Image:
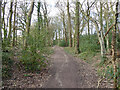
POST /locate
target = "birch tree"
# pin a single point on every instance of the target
(107, 25)
(101, 31)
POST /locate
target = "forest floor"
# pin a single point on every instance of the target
(65, 71)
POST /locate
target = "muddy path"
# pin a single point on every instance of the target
(70, 72)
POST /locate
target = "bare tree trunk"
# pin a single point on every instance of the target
(88, 13)
(74, 40)
(16, 32)
(14, 27)
(56, 35)
(28, 22)
(10, 22)
(69, 25)
(59, 36)
(65, 31)
(77, 50)
(114, 48)
(0, 27)
(107, 25)
(46, 26)
(101, 30)
(0, 46)
(3, 22)
(38, 15)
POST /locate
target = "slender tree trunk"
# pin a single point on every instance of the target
(16, 32)
(28, 22)
(77, 50)
(107, 37)
(3, 22)
(74, 40)
(56, 37)
(88, 13)
(101, 31)
(65, 32)
(46, 27)
(114, 47)
(69, 25)
(0, 27)
(107, 26)
(10, 22)
(0, 46)
(38, 15)
(14, 27)
(59, 36)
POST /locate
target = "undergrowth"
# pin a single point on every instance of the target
(7, 63)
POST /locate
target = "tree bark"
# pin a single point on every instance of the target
(69, 25)
(77, 50)
(114, 47)
(0, 46)
(107, 26)
(10, 22)
(38, 15)
(28, 22)
(101, 31)
(88, 14)
(3, 22)
(14, 27)
(0, 27)
(65, 31)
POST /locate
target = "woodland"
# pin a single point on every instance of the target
(86, 29)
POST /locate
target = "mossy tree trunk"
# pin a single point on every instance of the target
(0, 26)
(3, 22)
(0, 46)
(65, 31)
(88, 14)
(69, 25)
(14, 26)
(114, 47)
(77, 50)
(28, 22)
(10, 22)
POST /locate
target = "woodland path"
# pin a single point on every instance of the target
(65, 71)
(70, 72)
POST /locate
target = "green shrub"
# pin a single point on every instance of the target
(33, 57)
(89, 44)
(33, 61)
(62, 43)
(6, 64)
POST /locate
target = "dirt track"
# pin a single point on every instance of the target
(65, 71)
(70, 72)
